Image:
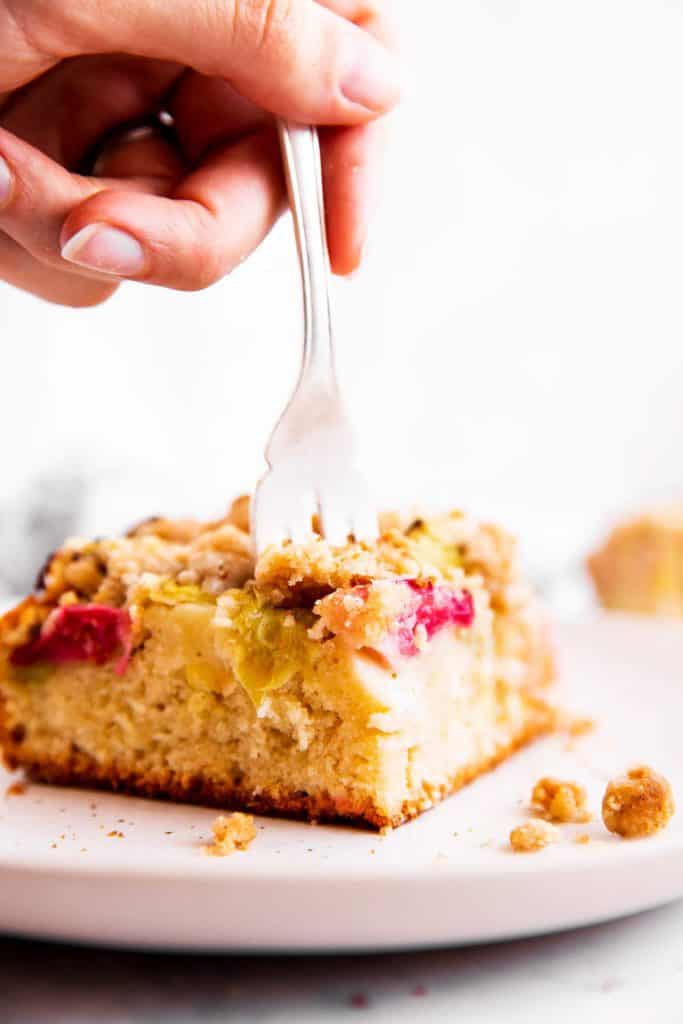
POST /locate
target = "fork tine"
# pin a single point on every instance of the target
(282, 510)
(302, 508)
(267, 526)
(364, 521)
(335, 521)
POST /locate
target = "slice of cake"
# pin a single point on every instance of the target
(640, 566)
(361, 683)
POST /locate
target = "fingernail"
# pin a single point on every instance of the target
(109, 250)
(373, 79)
(5, 182)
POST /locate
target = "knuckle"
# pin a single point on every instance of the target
(185, 257)
(204, 276)
(50, 29)
(206, 269)
(261, 23)
(26, 23)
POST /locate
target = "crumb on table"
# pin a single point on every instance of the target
(533, 835)
(638, 803)
(231, 832)
(557, 800)
(582, 839)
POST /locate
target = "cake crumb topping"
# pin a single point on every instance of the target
(639, 803)
(231, 832)
(559, 801)
(533, 835)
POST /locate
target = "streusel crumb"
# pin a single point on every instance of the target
(233, 832)
(16, 789)
(533, 835)
(559, 801)
(581, 726)
(240, 513)
(583, 839)
(638, 803)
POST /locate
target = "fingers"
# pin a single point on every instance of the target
(77, 104)
(208, 111)
(352, 166)
(142, 155)
(295, 58)
(19, 268)
(353, 157)
(216, 217)
(39, 194)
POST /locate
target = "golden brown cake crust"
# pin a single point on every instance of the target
(81, 770)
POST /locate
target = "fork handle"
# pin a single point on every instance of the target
(303, 171)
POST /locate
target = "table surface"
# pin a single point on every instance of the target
(627, 971)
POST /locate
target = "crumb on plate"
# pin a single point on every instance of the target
(582, 839)
(581, 726)
(16, 789)
(639, 803)
(559, 801)
(574, 727)
(232, 832)
(533, 835)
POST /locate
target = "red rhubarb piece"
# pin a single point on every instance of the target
(80, 632)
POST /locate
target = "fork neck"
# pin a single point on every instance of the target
(303, 171)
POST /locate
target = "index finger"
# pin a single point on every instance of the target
(295, 58)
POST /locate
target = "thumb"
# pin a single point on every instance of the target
(294, 58)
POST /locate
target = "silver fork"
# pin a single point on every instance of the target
(311, 454)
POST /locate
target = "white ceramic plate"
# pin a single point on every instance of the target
(446, 878)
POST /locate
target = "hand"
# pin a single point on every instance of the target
(181, 206)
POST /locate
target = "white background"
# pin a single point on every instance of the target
(513, 343)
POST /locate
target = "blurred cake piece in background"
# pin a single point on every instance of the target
(640, 566)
